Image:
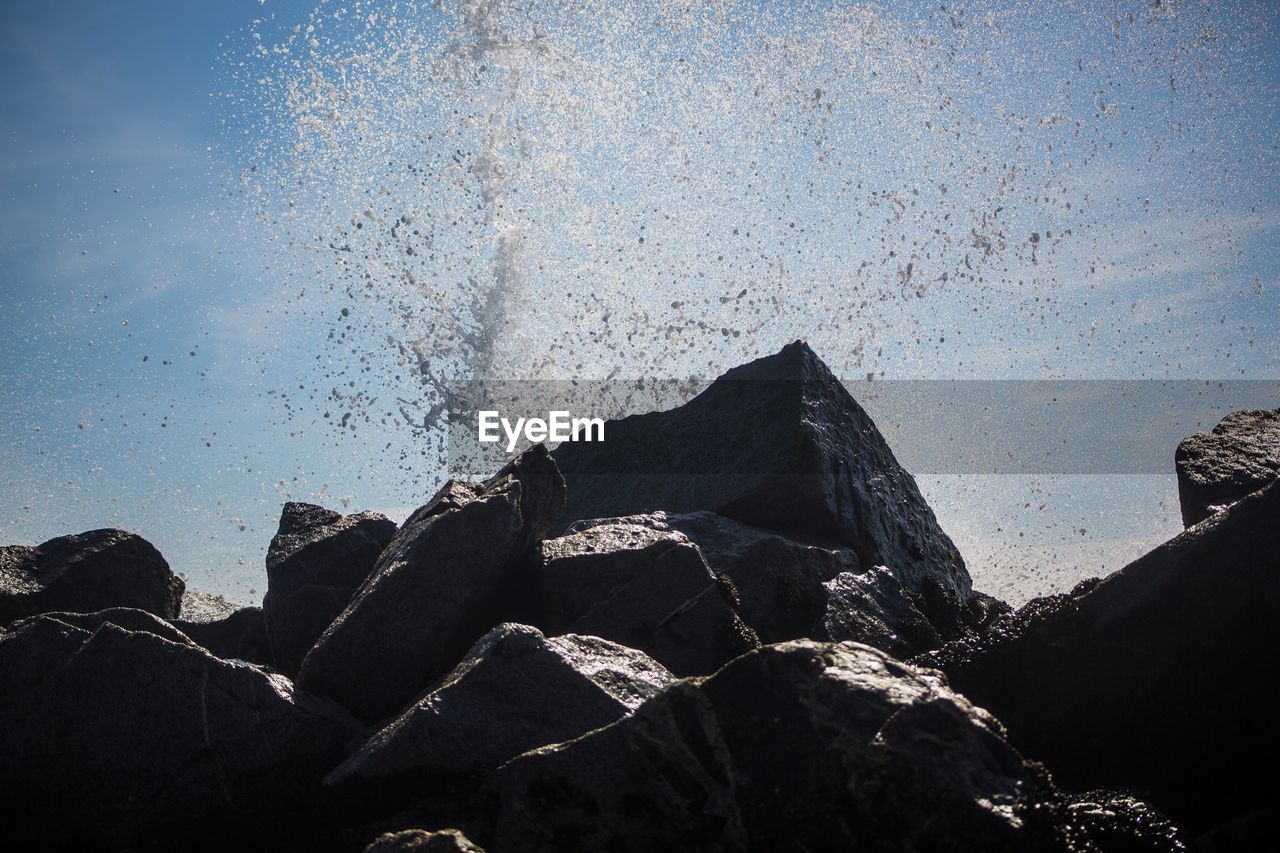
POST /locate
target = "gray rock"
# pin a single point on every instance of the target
(240, 635)
(1149, 679)
(872, 608)
(421, 841)
(777, 443)
(1239, 456)
(779, 577)
(86, 572)
(114, 736)
(645, 588)
(452, 572)
(316, 562)
(795, 747)
(516, 690)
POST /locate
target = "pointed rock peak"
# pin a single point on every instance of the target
(778, 442)
(794, 362)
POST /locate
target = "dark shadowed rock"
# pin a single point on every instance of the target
(127, 736)
(1239, 456)
(872, 608)
(241, 635)
(316, 561)
(952, 617)
(795, 747)
(777, 443)
(421, 841)
(127, 618)
(778, 577)
(516, 690)
(1149, 679)
(86, 572)
(452, 572)
(644, 588)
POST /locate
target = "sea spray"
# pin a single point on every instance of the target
(662, 189)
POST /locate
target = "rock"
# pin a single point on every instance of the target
(1101, 821)
(86, 572)
(794, 747)
(452, 572)
(645, 588)
(316, 561)
(1149, 679)
(872, 608)
(127, 618)
(777, 443)
(421, 841)
(779, 577)
(120, 736)
(953, 618)
(1218, 468)
(242, 635)
(516, 690)
(786, 587)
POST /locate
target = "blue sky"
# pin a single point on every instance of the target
(171, 364)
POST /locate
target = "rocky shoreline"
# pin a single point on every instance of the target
(735, 625)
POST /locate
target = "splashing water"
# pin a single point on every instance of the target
(660, 188)
(657, 188)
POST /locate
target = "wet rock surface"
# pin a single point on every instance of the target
(516, 690)
(1238, 456)
(778, 577)
(777, 443)
(240, 635)
(645, 588)
(126, 735)
(87, 572)
(450, 574)
(316, 562)
(872, 608)
(1148, 679)
(799, 746)
(421, 841)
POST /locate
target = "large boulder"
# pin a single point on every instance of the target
(87, 572)
(516, 690)
(777, 443)
(1239, 456)
(645, 588)
(778, 577)
(316, 561)
(799, 746)
(240, 635)
(117, 731)
(1153, 678)
(452, 572)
